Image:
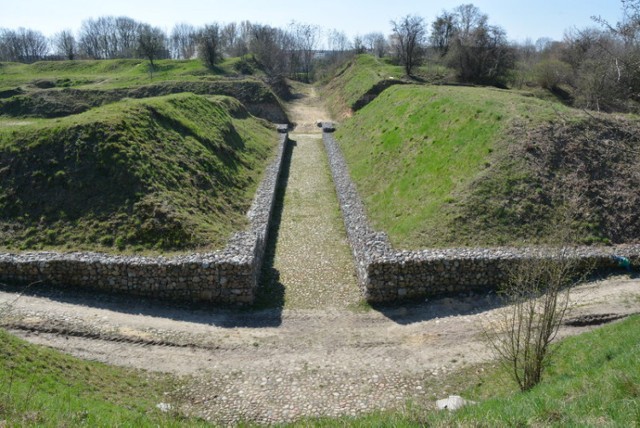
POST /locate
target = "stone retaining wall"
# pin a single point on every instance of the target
(228, 276)
(386, 274)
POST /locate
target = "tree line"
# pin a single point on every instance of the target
(594, 68)
(288, 51)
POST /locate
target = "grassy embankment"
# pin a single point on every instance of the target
(362, 74)
(57, 89)
(42, 387)
(167, 173)
(457, 166)
(108, 74)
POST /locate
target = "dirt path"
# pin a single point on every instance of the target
(319, 355)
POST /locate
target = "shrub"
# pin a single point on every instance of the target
(552, 72)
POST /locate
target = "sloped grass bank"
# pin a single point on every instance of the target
(592, 380)
(42, 387)
(364, 77)
(457, 166)
(60, 88)
(107, 74)
(356, 78)
(168, 173)
(60, 102)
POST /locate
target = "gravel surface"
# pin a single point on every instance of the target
(313, 261)
(275, 366)
(312, 252)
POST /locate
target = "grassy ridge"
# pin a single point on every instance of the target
(365, 72)
(48, 103)
(355, 79)
(414, 148)
(42, 387)
(106, 74)
(168, 173)
(458, 166)
(61, 88)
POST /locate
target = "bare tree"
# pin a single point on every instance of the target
(243, 41)
(305, 43)
(469, 18)
(210, 45)
(479, 52)
(358, 45)
(544, 44)
(338, 41)
(229, 34)
(109, 37)
(97, 39)
(375, 43)
(65, 44)
(267, 47)
(23, 45)
(604, 76)
(183, 41)
(537, 298)
(409, 35)
(152, 44)
(442, 30)
(617, 56)
(339, 50)
(125, 37)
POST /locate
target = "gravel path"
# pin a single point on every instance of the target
(312, 252)
(312, 351)
(312, 266)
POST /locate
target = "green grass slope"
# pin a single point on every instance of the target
(42, 387)
(60, 88)
(168, 173)
(107, 74)
(457, 166)
(592, 380)
(56, 102)
(354, 80)
(361, 79)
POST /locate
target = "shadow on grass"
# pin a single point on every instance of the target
(266, 312)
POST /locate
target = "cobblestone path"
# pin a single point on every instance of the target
(313, 262)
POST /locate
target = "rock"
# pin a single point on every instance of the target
(328, 127)
(454, 402)
(164, 407)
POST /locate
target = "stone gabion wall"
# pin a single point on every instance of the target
(228, 276)
(386, 274)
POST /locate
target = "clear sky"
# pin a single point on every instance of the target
(520, 18)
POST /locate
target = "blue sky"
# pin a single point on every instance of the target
(520, 18)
